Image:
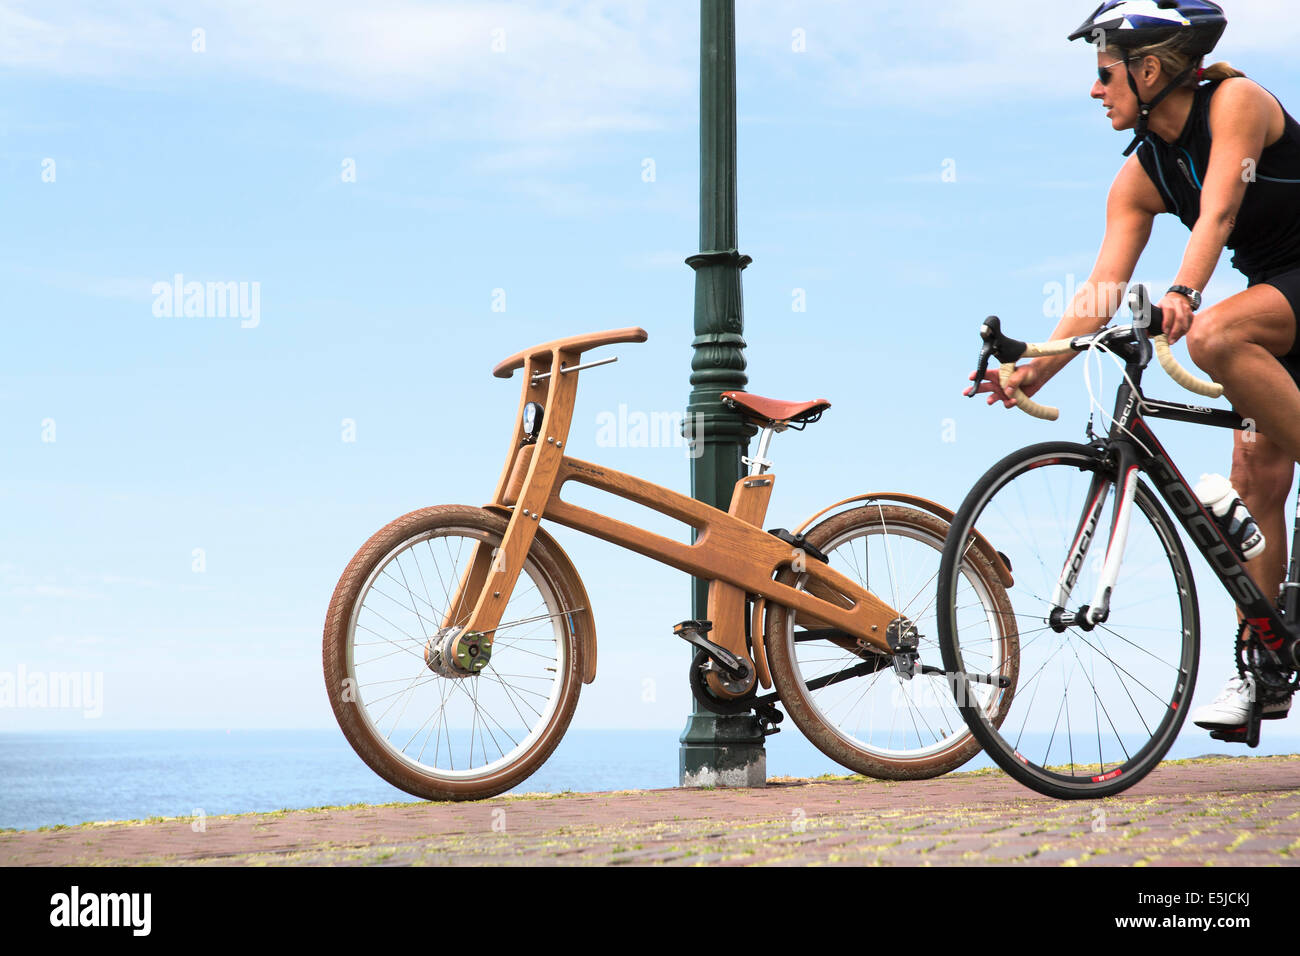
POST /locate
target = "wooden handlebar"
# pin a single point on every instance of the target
(575, 345)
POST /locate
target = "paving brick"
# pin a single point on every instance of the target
(1265, 842)
(1184, 814)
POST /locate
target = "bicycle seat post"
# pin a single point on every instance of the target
(760, 463)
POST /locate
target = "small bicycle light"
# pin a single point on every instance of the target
(532, 421)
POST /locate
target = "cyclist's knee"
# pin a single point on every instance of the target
(1212, 338)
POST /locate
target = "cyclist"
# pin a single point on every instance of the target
(1220, 152)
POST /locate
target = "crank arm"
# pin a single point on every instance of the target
(728, 661)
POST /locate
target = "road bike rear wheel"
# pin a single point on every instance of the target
(1097, 707)
(450, 737)
(850, 702)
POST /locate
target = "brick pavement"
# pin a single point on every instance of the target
(1219, 811)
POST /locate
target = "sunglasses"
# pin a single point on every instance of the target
(1106, 73)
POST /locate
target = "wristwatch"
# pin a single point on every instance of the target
(1191, 294)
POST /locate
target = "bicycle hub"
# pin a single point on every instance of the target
(732, 685)
(451, 654)
(472, 651)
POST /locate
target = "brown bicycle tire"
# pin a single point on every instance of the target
(338, 622)
(794, 695)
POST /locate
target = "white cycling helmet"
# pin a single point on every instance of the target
(1130, 24)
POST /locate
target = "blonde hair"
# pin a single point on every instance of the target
(1174, 59)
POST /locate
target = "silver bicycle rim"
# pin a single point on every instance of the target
(1088, 703)
(453, 728)
(883, 713)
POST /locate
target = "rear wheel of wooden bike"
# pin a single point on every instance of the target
(428, 728)
(850, 701)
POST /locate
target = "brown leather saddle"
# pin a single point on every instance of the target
(773, 413)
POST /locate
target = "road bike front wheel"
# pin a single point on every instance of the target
(435, 734)
(849, 700)
(1098, 705)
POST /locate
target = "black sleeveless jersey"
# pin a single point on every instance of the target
(1266, 239)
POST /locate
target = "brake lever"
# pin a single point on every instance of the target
(1147, 322)
(981, 369)
(996, 345)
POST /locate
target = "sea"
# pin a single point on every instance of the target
(48, 779)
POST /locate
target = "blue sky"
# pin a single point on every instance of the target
(518, 169)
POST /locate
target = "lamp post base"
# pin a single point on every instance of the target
(720, 751)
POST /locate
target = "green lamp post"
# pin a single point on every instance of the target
(718, 750)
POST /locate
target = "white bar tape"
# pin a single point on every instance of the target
(1180, 375)
(1055, 347)
(1023, 402)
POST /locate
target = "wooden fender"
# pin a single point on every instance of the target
(585, 621)
(925, 504)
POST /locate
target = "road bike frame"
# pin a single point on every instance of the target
(1135, 449)
(731, 550)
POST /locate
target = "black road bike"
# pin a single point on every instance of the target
(1108, 629)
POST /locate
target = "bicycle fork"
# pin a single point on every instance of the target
(1090, 615)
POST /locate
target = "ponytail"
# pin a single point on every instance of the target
(1175, 60)
(1221, 71)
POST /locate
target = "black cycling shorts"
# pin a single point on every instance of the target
(1288, 283)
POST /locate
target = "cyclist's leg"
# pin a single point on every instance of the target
(1247, 343)
(1262, 472)
(1239, 342)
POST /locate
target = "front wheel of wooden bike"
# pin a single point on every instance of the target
(410, 714)
(851, 701)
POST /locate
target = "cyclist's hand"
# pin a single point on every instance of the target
(1177, 310)
(1024, 378)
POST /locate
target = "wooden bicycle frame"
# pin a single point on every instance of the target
(731, 550)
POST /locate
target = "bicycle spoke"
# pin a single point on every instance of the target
(876, 711)
(1083, 692)
(457, 725)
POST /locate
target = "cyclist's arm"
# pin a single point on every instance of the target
(1242, 115)
(1131, 209)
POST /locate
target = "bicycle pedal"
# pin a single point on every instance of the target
(692, 632)
(1247, 733)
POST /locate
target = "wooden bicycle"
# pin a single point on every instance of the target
(458, 637)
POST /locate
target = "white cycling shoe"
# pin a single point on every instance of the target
(1232, 707)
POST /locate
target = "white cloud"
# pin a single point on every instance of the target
(950, 52)
(129, 581)
(561, 66)
(1058, 266)
(525, 158)
(53, 591)
(101, 287)
(81, 640)
(573, 66)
